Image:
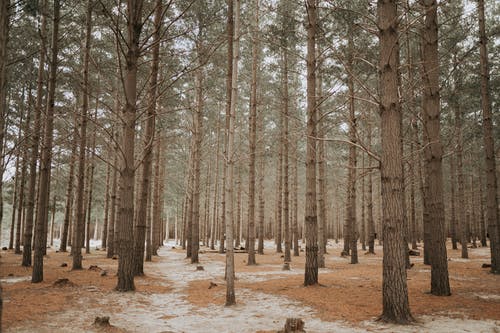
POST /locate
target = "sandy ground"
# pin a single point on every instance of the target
(174, 296)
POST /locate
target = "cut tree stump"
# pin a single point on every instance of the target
(212, 285)
(293, 325)
(485, 265)
(286, 266)
(63, 283)
(200, 268)
(102, 321)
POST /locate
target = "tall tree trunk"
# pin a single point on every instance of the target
(125, 223)
(156, 197)
(46, 156)
(311, 217)
(481, 213)
(286, 144)
(237, 236)
(21, 212)
(394, 286)
(252, 124)
(107, 195)
(114, 202)
(453, 218)
(15, 195)
(229, 77)
(321, 175)
(295, 197)
(79, 225)
(198, 141)
(35, 140)
(262, 158)
(215, 214)
(433, 151)
(279, 190)
(492, 219)
(69, 189)
(4, 37)
(52, 221)
(351, 181)
(230, 154)
(90, 185)
(371, 221)
(147, 164)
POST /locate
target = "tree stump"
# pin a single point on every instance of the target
(63, 283)
(294, 325)
(200, 268)
(102, 321)
(286, 266)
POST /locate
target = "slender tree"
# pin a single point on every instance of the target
(230, 155)
(147, 163)
(79, 225)
(46, 155)
(35, 139)
(311, 217)
(253, 137)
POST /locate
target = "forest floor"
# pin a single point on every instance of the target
(174, 296)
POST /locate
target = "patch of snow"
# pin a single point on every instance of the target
(439, 324)
(15, 279)
(489, 297)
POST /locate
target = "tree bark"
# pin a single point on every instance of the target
(198, 141)
(69, 190)
(46, 156)
(433, 151)
(394, 286)
(492, 213)
(351, 181)
(285, 143)
(35, 140)
(252, 124)
(79, 226)
(230, 154)
(4, 37)
(147, 164)
(107, 195)
(311, 217)
(21, 212)
(125, 223)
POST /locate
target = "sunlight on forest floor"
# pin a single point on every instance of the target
(175, 297)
